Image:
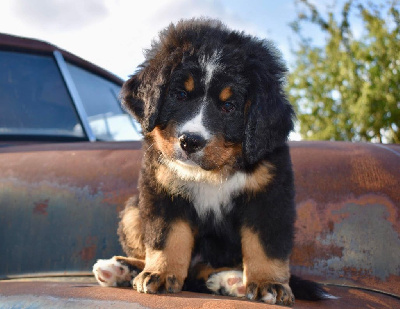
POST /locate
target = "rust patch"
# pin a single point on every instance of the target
(88, 253)
(370, 298)
(367, 173)
(189, 84)
(41, 207)
(328, 172)
(225, 94)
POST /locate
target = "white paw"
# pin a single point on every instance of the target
(112, 273)
(228, 283)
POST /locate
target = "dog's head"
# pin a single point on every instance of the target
(211, 97)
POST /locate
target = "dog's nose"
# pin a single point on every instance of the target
(191, 142)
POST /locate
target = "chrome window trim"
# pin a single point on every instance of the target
(76, 99)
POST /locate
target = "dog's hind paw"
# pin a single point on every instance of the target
(229, 283)
(113, 273)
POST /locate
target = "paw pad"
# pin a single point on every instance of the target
(112, 273)
(229, 283)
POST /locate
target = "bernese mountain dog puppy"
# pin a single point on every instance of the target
(216, 210)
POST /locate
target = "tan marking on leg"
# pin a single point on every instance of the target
(257, 265)
(189, 84)
(168, 267)
(225, 94)
(260, 177)
(265, 278)
(130, 232)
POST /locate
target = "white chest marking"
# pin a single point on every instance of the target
(208, 197)
(209, 192)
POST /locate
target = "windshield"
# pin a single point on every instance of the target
(100, 99)
(34, 99)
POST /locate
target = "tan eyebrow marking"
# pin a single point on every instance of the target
(225, 94)
(189, 84)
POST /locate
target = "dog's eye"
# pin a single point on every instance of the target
(181, 95)
(228, 107)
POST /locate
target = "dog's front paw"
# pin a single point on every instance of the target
(112, 273)
(270, 293)
(157, 282)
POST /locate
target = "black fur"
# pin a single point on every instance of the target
(256, 129)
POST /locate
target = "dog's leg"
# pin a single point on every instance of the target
(166, 269)
(266, 279)
(117, 271)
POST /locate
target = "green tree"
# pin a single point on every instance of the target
(349, 88)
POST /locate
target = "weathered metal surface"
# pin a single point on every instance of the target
(348, 203)
(59, 204)
(59, 207)
(89, 295)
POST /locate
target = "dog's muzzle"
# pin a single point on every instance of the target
(191, 143)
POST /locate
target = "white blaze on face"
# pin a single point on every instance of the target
(195, 125)
(210, 65)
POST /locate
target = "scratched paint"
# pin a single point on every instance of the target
(369, 242)
(351, 243)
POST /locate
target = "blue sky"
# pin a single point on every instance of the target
(113, 33)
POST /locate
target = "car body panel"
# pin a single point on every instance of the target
(60, 204)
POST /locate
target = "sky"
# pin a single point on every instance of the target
(113, 33)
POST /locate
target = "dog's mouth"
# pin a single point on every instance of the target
(191, 159)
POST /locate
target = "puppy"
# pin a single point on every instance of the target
(216, 206)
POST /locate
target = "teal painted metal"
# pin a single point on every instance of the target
(59, 205)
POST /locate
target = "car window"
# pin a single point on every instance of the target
(34, 99)
(99, 97)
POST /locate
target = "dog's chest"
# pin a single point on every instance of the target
(214, 198)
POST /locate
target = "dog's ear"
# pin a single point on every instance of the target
(269, 115)
(142, 96)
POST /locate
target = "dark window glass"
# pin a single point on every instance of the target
(100, 99)
(33, 98)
